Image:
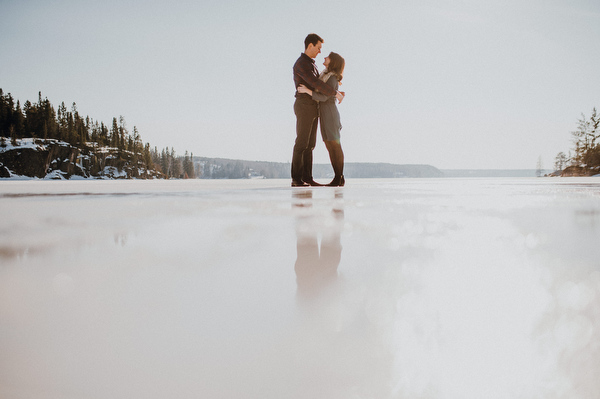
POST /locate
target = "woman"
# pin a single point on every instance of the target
(329, 115)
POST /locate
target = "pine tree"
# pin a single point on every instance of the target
(4, 112)
(18, 122)
(114, 134)
(122, 134)
(177, 170)
(148, 156)
(188, 166)
(63, 127)
(164, 162)
(587, 141)
(49, 119)
(30, 116)
(9, 107)
(103, 135)
(136, 141)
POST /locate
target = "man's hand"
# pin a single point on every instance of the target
(304, 89)
(340, 96)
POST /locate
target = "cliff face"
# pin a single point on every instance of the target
(54, 159)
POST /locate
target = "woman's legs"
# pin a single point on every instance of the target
(336, 156)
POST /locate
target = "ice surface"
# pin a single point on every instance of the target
(406, 288)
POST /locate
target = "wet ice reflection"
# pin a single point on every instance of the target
(317, 263)
(382, 289)
(338, 350)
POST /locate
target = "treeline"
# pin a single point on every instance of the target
(585, 158)
(223, 168)
(172, 166)
(41, 120)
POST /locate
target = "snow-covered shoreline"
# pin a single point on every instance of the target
(51, 159)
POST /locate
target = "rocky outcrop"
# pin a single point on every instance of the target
(575, 171)
(54, 159)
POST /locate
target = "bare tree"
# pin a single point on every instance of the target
(560, 161)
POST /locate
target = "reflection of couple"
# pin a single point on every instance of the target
(316, 97)
(316, 268)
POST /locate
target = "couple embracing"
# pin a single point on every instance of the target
(316, 95)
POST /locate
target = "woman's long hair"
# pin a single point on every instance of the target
(336, 65)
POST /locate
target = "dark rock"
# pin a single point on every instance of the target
(62, 160)
(577, 171)
(4, 172)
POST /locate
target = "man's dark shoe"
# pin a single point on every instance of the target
(299, 183)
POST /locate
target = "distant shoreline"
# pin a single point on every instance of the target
(493, 172)
(37, 158)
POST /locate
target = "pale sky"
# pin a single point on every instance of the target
(454, 84)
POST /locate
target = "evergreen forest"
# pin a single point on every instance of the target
(41, 120)
(585, 158)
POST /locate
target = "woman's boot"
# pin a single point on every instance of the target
(336, 155)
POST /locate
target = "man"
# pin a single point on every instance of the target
(307, 111)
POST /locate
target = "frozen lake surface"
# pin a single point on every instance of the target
(404, 288)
